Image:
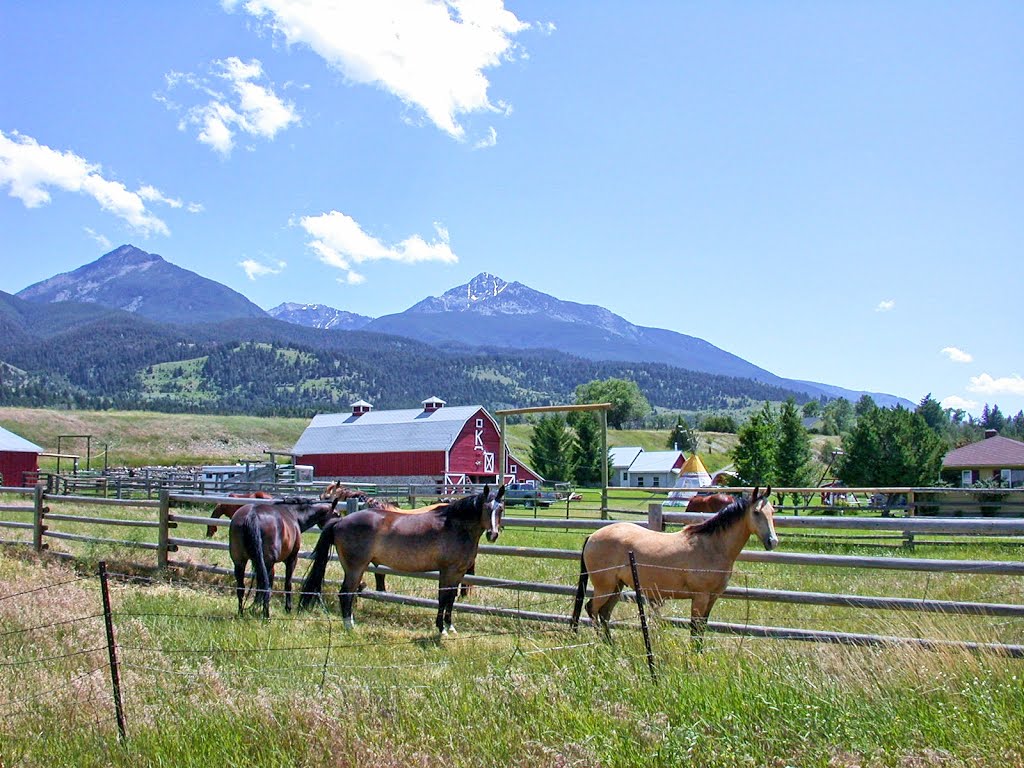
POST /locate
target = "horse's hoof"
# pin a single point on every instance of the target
(349, 624)
(451, 630)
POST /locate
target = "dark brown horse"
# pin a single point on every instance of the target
(269, 534)
(444, 538)
(710, 503)
(227, 510)
(694, 563)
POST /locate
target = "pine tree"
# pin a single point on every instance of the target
(793, 453)
(586, 450)
(551, 448)
(755, 453)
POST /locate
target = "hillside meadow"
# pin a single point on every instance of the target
(141, 438)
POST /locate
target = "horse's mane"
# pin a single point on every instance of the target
(465, 507)
(298, 501)
(725, 518)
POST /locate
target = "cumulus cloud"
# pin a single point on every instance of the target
(959, 403)
(254, 269)
(957, 355)
(1005, 385)
(339, 241)
(247, 106)
(30, 170)
(432, 55)
(885, 306)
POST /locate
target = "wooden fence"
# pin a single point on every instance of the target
(172, 516)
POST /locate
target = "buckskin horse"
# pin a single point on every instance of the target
(445, 539)
(694, 563)
(712, 503)
(268, 534)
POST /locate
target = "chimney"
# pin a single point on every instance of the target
(432, 404)
(991, 433)
(359, 407)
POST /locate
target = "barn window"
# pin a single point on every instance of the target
(513, 469)
(479, 423)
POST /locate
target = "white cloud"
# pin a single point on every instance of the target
(248, 107)
(340, 242)
(1006, 385)
(101, 239)
(30, 169)
(957, 402)
(885, 306)
(487, 141)
(957, 355)
(254, 269)
(430, 54)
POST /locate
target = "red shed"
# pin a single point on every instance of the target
(432, 444)
(17, 457)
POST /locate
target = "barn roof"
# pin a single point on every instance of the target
(406, 430)
(656, 461)
(12, 443)
(996, 451)
(623, 456)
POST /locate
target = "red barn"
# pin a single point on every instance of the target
(433, 444)
(17, 457)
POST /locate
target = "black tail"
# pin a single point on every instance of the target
(581, 589)
(313, 584)
(253, 538)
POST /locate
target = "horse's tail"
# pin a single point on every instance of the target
(313, 584)
(581, 589)
(252, 536)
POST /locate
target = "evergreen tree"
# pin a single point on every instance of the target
(586, 450)
(551, 448)
(793, 453)
(682, 437)
(755, 453)
(933, 414)
(891, 447)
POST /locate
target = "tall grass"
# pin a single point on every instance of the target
(205, 688)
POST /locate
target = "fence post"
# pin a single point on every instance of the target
(164, 530)
(38, 529)
(655, 517)
(115, 674)
(643, 615)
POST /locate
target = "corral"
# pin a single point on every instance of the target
(962, 602)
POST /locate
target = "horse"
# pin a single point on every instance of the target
(268, 534)
(694, 563)
(710, 503)
(445, 539)
(227, 510)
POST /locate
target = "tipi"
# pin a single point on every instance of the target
(693, 475)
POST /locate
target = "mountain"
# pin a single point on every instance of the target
(318, 316)
(145, 284)
(491, 313)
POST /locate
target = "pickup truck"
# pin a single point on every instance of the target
(529, 495)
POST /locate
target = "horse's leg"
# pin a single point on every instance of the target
(700, 607)
(289, 571)
(464, 588)
(270, 588)
(240, 583)
(379, 577)
(347, 595)
(447, 591)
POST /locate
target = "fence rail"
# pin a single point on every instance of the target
(164, 516)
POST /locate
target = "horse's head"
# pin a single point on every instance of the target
(761, 515)
(495, 509)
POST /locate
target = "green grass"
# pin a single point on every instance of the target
(204, 688)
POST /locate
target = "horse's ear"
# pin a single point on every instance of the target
(767, 491)
(753, 496)
(486, 491)
(501, 492)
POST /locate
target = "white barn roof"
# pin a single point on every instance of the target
(411, 429)
(655, 461)
(623, 456)
(12, 443)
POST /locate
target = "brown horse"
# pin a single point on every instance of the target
(269, 534)
(710, 503)
(694, 563)
(445, 539)
(227, 510)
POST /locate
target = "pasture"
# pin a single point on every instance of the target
(202, 687)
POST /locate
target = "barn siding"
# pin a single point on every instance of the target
(13, 465)
(375, 464)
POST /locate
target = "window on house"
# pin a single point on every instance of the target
(639, 481)
(1006, 476)
(656, 481)
(966, 478)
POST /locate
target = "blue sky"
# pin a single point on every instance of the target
(833, 191)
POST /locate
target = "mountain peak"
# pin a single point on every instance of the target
(483, 286)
